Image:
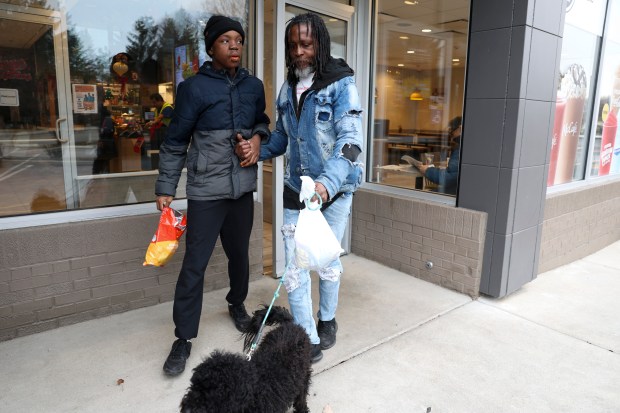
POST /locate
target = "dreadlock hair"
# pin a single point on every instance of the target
(322, 44)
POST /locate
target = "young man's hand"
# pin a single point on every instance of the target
(163, 201)
(248, 150)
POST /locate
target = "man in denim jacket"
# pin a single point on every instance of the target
(319, 127)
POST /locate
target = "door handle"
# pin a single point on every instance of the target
(58, 134)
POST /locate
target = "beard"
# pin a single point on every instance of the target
(305, 71)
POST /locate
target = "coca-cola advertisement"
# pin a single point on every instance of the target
(567, 131)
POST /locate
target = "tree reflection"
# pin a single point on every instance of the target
(143, 41)
(148, 43)
(82, 65)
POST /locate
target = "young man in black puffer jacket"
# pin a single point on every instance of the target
(213, 107)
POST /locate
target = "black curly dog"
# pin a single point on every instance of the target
(277, 376)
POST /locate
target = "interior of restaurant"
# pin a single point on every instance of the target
(419, 76)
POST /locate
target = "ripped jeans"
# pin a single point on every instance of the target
(297, 281)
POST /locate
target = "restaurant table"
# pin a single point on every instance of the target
(382, 174)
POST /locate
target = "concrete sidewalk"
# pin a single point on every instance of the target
(404, 345)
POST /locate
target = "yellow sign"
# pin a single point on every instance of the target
(605, 112)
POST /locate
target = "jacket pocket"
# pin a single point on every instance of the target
(201, 167)
(324, 115)
(191, 166)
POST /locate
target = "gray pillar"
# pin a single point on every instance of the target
(512, 76)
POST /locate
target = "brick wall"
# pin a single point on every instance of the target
(578, 223)
(57, 275)
(405, 233)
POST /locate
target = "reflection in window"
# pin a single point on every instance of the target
(573, 106)
(135, 58)
(84, 137)
(153, 59)
(573, 116)
(128, 64)
(31, 171)
(419, 74)
(606, 148)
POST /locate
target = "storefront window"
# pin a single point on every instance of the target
(575, 96)
(606, 148)
(77, 81)
(419, 76)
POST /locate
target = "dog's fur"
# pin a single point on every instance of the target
(277, 376)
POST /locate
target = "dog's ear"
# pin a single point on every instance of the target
(277, 316)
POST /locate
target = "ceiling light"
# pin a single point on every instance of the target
(404, 37)
(416, 95)
(456, 60)
(401, 65)
(411, 2)
(411, 51)
(426, 30)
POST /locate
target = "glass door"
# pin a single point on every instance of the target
(36, 164)
(338, 19)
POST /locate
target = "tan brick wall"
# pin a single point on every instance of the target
(63, 274)
(405, 234)
(579, 222)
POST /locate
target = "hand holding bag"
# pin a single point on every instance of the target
(165, 242)
(315, 243)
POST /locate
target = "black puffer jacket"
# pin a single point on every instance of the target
(210, 109)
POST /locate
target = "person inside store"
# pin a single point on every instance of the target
(320, 131)
(163, 113)
(220, 198)
(158, 126)
(447, 178)
(106, 147)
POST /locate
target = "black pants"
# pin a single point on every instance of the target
(232, 220)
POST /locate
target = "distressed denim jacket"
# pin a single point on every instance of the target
(330, 119)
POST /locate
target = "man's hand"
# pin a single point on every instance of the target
(248, 150)
(423, 169)
(320, 189)
(162, 201)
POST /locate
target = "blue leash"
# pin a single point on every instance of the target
(276, 294)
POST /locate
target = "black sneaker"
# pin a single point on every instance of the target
(315, 353)
(327, 333)
(175, 363)
(239, 316)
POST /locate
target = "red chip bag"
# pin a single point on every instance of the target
(165, 242)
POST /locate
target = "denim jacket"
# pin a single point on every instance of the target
(330, 119)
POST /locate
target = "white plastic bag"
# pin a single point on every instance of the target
(315, 243)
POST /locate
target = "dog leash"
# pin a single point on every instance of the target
(276, 294)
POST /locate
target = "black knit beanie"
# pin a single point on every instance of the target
(218, 25)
